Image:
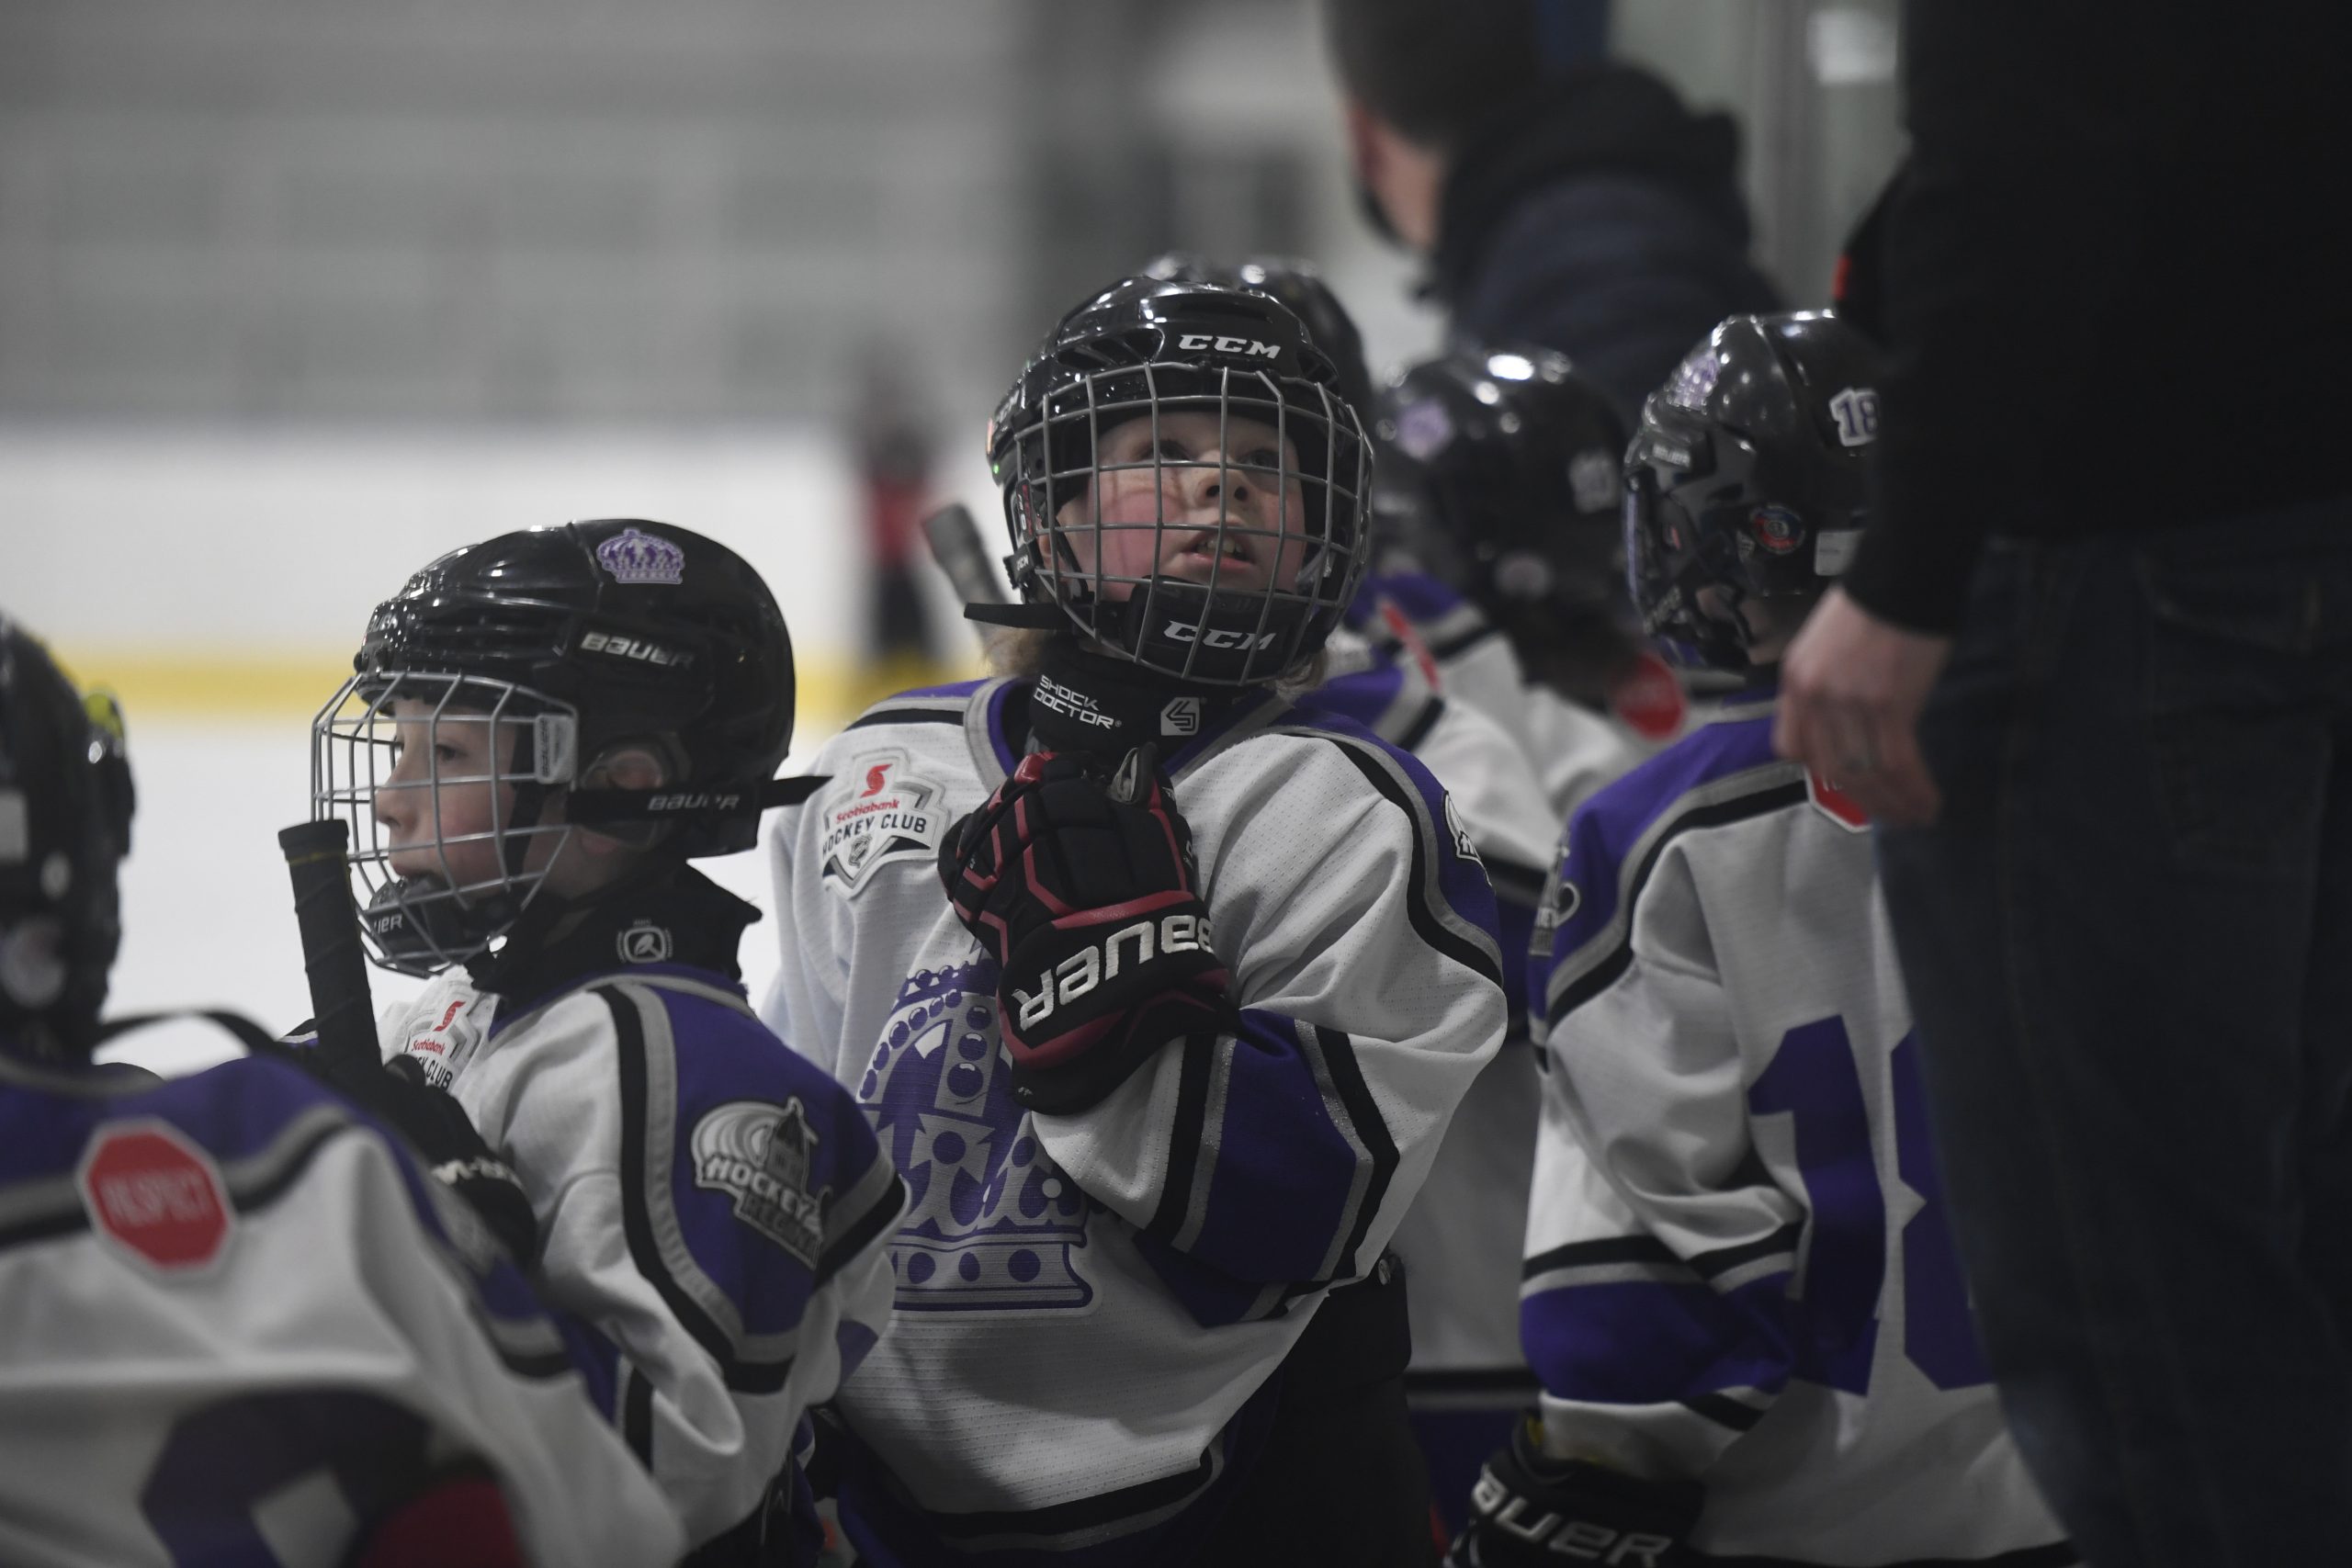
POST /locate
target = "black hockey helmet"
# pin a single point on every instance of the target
(569, 643)
(1746, 477)
(1299, 287)
(65, 808)
(1140, 350)
(1499, 476)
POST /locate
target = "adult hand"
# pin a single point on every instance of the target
(1851, 690)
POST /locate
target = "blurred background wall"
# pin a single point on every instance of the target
(296, 294)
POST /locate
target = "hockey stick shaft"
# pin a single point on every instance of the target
(954, 540)
(318, 864)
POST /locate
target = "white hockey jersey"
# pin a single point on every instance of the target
(1737, 1264)
(711, 1203)
(237, 1325)
(1573, 750)
(1460, 1239)
(1088, 1302)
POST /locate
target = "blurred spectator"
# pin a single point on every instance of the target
(2118, 852)
(894, 457)
(1561, 198)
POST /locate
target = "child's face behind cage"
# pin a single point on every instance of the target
(450, 794)
(1160, 492)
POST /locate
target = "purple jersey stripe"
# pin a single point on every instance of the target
(1461, 880)
(244, 1115)
(1214, 1297)
(1645, 1342)
(230, 1112)
(952, 689)
(763, 1143)
(1363, 697)
(598, 1359)
(1421, 597)
(1607, 828)
(1285, 1171)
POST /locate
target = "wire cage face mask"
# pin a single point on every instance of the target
(1205, 522)
(444, 780)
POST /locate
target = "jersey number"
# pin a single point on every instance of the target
(1815, 1079)
(228, 1485)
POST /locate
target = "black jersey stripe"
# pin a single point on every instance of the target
(1185, 1138)
(1078, 1513)
(1347, 1082)
(906, 715)
(871, 1224)
(1443, 1380)
(1645, 1250)
(1723, 1412)
(743, 1375)
(1606, 972)
(636, 1414)
(1519, 884)
(1421, 875)
(1463, 642)
(1724, 1259)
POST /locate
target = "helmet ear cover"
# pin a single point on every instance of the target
(636, 832)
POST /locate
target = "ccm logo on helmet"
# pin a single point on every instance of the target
(1214, 636)
(1090, 966)
(1557, 1536)
(1244, 346)
(635, 648)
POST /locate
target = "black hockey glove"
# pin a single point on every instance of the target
(437, 1128)
(1530, 1510)
(1085, 892)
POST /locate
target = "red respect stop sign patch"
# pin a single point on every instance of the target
(154, 1194)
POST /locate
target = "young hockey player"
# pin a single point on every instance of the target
(543, 729)
(1381, 676)
(1739, 1288)
(1499, 489)
(241, 1324)
(1492, 470)
(1171, 1050)
(1459, 1242)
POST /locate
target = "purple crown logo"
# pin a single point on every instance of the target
(633, 556)
(993, 1225)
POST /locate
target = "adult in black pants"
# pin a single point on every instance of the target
(2113, 562)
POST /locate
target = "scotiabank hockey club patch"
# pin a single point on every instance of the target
(444, 1038)
(885, 813)
(760, 1154)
